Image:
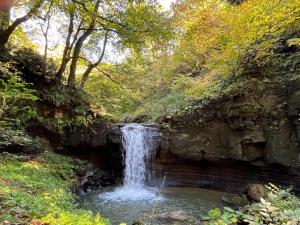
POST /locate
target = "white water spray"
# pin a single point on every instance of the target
(137, 142)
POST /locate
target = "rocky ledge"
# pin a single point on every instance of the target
(253, 133)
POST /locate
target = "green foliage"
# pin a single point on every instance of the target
(145, 24)
(59, 125)
(108, 98)
(39, 189)
(80, 218)
(16, 98)
(158, 106)
(25, 65)
(217, 48)
(20, 39)
(10, 136)
(203, 50)
(32, 67)
(217, 217)
(75, 100)
(218, 42)
(279, 208)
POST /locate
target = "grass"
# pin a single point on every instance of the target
(37, 191)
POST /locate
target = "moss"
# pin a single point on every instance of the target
(38, 189)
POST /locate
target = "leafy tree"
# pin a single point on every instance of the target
(129, 24)
(213, 38)
(6, 26)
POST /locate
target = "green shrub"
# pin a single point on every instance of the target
(16, 100)
(32, 66)
(62, 95)
(162, 106)
(280, 207)
(12, 139)
(80, 218)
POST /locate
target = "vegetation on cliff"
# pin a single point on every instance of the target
(216, 44)
(167, 60)
(127, 60)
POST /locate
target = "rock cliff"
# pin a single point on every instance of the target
(252, 133)
(258, 123)
(261, 128)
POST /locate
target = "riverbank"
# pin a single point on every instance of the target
(37, 190)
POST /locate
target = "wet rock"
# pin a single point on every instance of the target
(95, 180)
(235, 200)
(91, 178)
(115, 134)
(255, 192)
(177, 218)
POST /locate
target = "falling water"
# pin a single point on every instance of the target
(137, 143)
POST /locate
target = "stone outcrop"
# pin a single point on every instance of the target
(261, 127)
(93, 136)
(91, 178)
(251, 134)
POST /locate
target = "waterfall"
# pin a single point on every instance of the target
(137, 143)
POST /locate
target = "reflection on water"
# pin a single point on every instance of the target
(119, 205)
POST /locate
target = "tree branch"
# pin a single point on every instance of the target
(5, 34)
(93, 65)
(78, 46)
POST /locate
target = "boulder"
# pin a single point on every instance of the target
(177, 218)
(91, 178)
(255, 192)
(235, 200)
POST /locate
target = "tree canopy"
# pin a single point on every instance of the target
(164, 60)
(87, 27)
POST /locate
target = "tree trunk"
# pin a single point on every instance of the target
(6, 33)
(4, 19)
(75, 57)
(78, 46)
(65, 59)
(7, 30)
(94, 65)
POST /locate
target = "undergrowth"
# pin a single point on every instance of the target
(280, 207)
(37, 191)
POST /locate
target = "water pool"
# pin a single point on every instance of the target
(126, 206)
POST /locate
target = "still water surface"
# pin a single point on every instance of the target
(125, 206)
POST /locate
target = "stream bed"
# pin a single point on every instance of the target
(121, 205)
